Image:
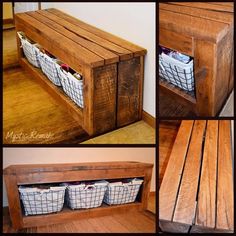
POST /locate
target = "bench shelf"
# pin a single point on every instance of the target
(203, 31)
(196, 193)
(55, 173)
(112, 68)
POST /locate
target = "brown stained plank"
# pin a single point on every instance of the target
(107, 55)
(208, 6)
(171, 180)
(198, 12)
(104, 109)
(137, 50)
(128, 103)
(186, 202)
(192, 26)
(36, 168)
(56, 43)
(206, 208)
(120, 51)
(182, 43)
(225, 192)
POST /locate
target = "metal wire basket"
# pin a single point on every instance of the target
(31, 51)
(42, 201)
(86, 196)
(176, 72)
(120, 193)
(72, 87)
(50, 68)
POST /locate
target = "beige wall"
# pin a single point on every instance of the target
(7, 10)
(66, 155)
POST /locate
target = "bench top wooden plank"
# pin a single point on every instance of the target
(224, 17)
(206, 207)
(170, 183)
(186, 202)
(56, 43)
(89, 45)
(137, 50)
(193, 26)
(90, 37)
(209, 6)
(225, 192)
(34, 168)
(107, 55)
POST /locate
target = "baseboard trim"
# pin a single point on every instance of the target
(8, 21)
(149, 119)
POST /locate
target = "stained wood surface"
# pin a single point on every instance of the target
(96, 47)
(171, 180)
(222, 7)
(225, 192)
(186, 201)
(206, 208)
(35, 168)
(210, 26)
(204, 199)
(193, 26)
(129, 91)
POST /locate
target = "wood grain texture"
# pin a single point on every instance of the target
(182, 43)
(128, 97)
(225, 192)
(223, 7)
(206, 208)
(192, 26)
(171, 180)
(186, 201)
(136, 50)
(204, 201)
(104, 96)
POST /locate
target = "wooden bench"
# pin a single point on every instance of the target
(196, 193)
(112, 68)
(205, 32)
(16, 175)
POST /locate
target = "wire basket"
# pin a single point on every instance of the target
(176, 72)
(42, 201)
(85, 196)
(120, 193)
(50, 68)
(72, 86)
(31, 51)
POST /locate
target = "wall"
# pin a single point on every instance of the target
(73, 155)
(25, 6)
(132, 21)
(7, 10)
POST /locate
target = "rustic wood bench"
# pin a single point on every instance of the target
(112, 68)
(205, 32)
(196, 194)
(16, 175)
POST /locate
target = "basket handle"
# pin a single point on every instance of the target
(89, 186)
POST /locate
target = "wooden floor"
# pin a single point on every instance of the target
(167, 134)
(31, 116)
(129, 222)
